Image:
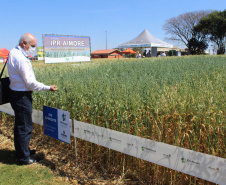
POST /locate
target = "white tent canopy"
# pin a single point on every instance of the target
(145, 40)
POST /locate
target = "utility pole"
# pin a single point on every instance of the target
(106, 40)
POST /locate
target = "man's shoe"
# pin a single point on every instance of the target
(30, 161)
(32, 152)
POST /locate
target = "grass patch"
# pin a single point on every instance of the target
(11, 173)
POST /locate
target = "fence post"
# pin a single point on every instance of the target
(76, 156)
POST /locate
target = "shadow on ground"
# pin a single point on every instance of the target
(7, 157)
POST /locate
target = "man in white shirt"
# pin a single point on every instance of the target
(179, 53)
(163, 54)
(22, 84)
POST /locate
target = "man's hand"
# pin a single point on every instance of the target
(53, 87)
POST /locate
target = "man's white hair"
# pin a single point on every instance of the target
(26, 38)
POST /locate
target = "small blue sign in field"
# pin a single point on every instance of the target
(56, 124)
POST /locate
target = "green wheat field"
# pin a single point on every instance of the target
(176, 100)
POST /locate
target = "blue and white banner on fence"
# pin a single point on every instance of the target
(56, 124)
(194, 163)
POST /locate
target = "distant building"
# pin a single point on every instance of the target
(40, 53)
(109, 53)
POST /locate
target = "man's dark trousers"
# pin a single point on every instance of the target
(21, 102)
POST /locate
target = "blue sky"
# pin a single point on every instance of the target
(122, 19)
